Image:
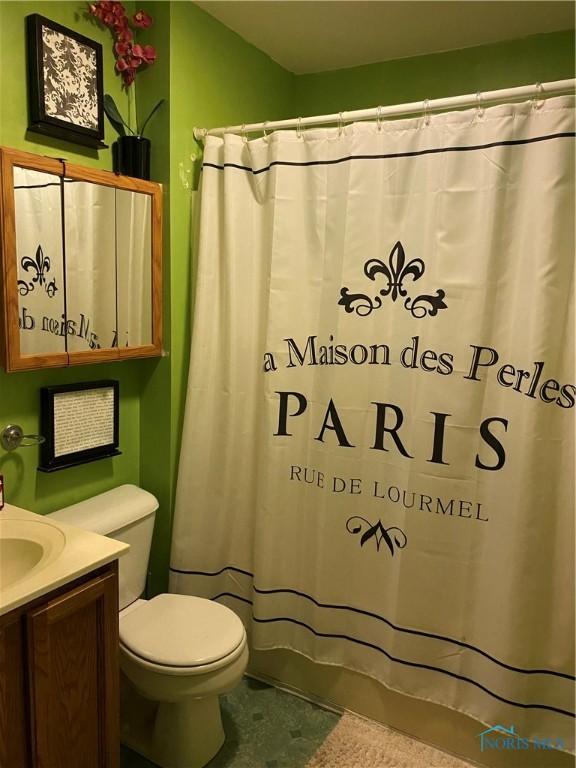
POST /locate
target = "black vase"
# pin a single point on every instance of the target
(131, 156)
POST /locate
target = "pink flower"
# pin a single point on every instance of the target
(129, 55)
(120, 23)
(100, 8)
(110, 13)
(149, 54)
(142, 20)
(124, 35)
(121, 49)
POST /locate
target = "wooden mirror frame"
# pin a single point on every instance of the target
(10, 352)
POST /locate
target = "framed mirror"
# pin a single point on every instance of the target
(81, 264)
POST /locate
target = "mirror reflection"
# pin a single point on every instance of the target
(40, 267)
(90, 255)
(84, 253)
(134, 267)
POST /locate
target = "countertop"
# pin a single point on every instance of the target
(83, 551)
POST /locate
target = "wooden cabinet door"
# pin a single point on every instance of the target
(73, 670)
(13, 695)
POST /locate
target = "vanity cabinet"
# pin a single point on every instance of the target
(81, 264)
(59, 677)
(13, 712)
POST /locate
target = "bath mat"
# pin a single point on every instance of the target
(358, 743)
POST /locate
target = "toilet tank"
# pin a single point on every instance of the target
(127, 514)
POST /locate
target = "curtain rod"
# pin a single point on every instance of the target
(536, 91)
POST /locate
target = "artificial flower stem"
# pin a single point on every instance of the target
(132, 110)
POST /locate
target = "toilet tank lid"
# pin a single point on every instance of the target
(110, 511)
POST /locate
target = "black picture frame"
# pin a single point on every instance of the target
(73, 108)
(70, 424)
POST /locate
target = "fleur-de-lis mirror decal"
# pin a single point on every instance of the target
(40, 266)
(395, 272)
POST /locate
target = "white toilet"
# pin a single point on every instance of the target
(178, 652)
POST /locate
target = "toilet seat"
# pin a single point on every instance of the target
(199, 669)
(181, 634)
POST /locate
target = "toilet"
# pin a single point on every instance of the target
(178, 653)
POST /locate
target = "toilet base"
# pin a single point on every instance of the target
(183, 735)
(189, 734)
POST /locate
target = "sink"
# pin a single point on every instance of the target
(27, 547)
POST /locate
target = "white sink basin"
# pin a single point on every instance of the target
(39, 554)
(27, 547)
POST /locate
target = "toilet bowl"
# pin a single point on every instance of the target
(182, 652)
(178, 653)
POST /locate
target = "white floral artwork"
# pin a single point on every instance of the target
(70, 86)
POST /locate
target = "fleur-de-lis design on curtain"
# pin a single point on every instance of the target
(40, 267)
(395, 272)
(393, 537)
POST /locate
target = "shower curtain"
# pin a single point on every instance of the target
(377, 464)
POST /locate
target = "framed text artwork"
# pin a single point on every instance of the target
(65, 83)
(79, 423)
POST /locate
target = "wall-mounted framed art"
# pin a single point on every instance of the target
(65, 83)
(80, 423)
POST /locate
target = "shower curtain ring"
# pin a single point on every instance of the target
(299, 128)
(479, 105)
(426, 111)
(340, 123)
(264, 130)
(539, 94)
(243, 132)
(379, 118)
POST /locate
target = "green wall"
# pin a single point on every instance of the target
(19, 392)
(209, 76)
(539, 58)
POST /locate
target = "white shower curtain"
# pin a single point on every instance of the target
(377, 465)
